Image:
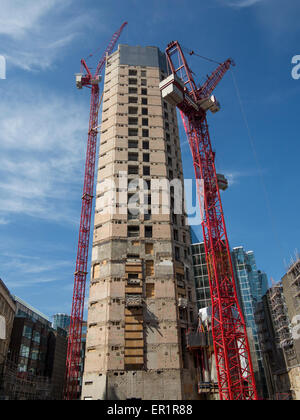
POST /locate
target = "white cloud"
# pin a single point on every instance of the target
(34, 266)
(17, 284)
(234, 177)
(242, 3)
(4, 221)
(274, 17)
(42, 153)
(18, 17)
(34, 33)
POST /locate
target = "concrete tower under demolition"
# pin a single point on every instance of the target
(142, 294)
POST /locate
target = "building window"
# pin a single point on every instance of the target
(144, 111)
(133, 231)
(146, 170)
(146, 157)
(144, 91)
(133, 132)
(36, 337)
(24, 351)
(133, 144)
(177, 253)
(144, 82)
(27, 332)
(133, 156)
(147, 199)
(147, 215)
(145, 132)
(132, 81)
(132, 72)
(144, 101)
(145, 121)
(143, 73)
(133, 170)
(132, 99)
(145, 145)
(132, 215)
(147, 184)
(191, 316)
(132, 90)
(148, 231)
(34, 354)
(133, 110)
(133, 121)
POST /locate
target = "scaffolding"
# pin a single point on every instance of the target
(280, 317)
(294, 274)
(16, 385)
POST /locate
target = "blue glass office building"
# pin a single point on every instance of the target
(252, 285)
(61, 321)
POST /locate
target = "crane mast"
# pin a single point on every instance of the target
(233, 360)
(75, 330)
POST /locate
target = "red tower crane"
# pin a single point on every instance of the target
(233, 360)
(75, 331)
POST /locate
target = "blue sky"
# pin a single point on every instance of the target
(44, 120)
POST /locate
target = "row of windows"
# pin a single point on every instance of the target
(133, 72)
(133, 110)
(134, 132)
(31, 335)
(199, 259)
(200, 270)
(203, 294)
(26, 352)
(134, 100)
(134, 231)
(135, 121)
(134, 81)
(134, 90)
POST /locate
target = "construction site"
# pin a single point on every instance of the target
(145, 337)
(162, 307)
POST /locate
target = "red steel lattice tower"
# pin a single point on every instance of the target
(233, 360)
(75, 331)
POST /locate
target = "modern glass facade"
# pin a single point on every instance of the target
(252, 284)
(61, 321)
(28, 347)
(201, 275)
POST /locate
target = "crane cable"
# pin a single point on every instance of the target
(252, 143)
(192, 52)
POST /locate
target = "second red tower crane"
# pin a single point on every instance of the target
(75, 331)
(233, 360)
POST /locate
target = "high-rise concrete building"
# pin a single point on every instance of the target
(142, 295)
